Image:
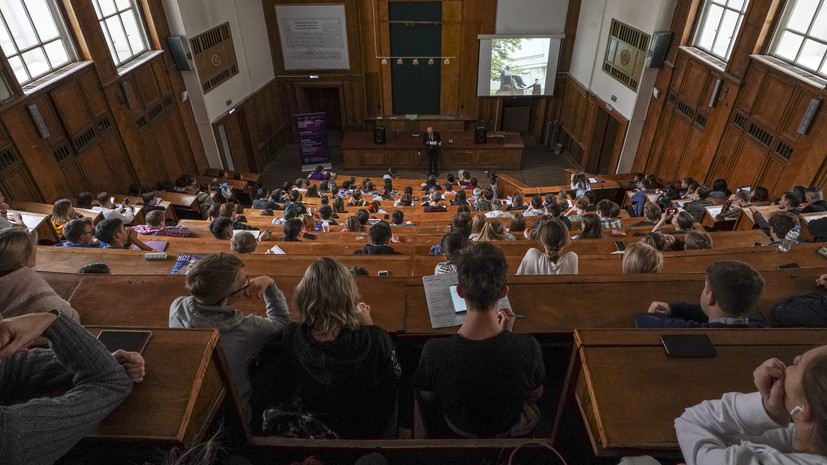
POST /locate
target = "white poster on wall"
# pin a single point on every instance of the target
(313, 36)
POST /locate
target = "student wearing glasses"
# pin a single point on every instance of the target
(216, 282)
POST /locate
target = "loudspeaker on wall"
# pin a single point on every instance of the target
(480, 135)
(379, 135)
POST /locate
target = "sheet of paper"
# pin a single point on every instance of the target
(441, 304)
(593, 180)
(806, 218)
(254, 233)
(276, 250)
(714, 211)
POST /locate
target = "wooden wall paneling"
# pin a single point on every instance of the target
(98, 169)
(371, 65)
(694, 81)
(92, 94)
(797, 107)
(678, 129)
(724, 155)
(806, 165)
(122, 172)
(748, 163)
(753, 83)
(71, 106)
(772, 175)
(694, 163)
(18, 184)
(73, 172)
(384, 33)
(775, 93)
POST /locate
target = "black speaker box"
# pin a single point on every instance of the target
(379, 135)
(480, 135)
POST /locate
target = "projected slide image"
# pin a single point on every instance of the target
(519, 66)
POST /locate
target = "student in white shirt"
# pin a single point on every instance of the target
(123, 212)
(497, 211)
(554, 237)
(784, 423)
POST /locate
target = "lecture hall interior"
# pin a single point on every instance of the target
(639, 168)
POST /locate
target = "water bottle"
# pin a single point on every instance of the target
(790, 239)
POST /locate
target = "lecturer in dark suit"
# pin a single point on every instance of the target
(432, 143)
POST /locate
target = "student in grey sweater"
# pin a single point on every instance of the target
(216, 282)
(41, 430)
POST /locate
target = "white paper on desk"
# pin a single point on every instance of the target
(254, 233)
(276, 250)
(680, 203)
(807, 218)
(382, 211)
(441, 304)
(593, 180)
(714, 211)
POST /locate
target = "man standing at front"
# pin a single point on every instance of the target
(432, 143)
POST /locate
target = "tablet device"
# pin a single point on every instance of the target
(746, 189)
(130, 341)
(620, 246)
(459, 302)
(688, 345)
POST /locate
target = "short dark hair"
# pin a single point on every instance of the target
(73, 229)
(261, 193)
(605, 207)
(702, 191)
(397, 217)
(652, 211)
(211, 278)
(482, 274)
(106, 230)
(793, 199)
(737, 286)
(685, 220)
(219, 227)
(380, 233)
(452, 243)
(155, 218)
(782, 222)
(461, 223)
(760, 194)
(147, 197)
(363, 216)
(94, 268)
(488, 193)
(85, 199)
(292, 228)
(719, 185)
(103, 198)
(325, 212)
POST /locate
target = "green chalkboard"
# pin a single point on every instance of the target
(415, 87)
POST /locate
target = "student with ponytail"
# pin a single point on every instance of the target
(554, 237)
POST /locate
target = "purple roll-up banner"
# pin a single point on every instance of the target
(311, 134)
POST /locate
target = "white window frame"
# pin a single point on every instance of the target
(63, 36)
(782, 28)
(696, 38)
(143, 36)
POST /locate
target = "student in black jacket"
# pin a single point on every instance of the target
(379, 236)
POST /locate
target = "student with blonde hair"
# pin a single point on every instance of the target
(346, 368)
(554, 237)
(476, 226)
(243, 242)
(494, 231)
(62, 213)
(434, 203)
(640, 257)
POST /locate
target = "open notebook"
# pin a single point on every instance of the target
(445, 307)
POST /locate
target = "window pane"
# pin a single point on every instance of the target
(811, 54)
(119, 41)
(56, 53)
(107, 7)
(109, 42)
(19, 25)
(43, 21)
(709, 27)
(132, 31)
(725, 33)
(6, 42)
(802, 15)
(819, 29)
(36, 62)
(788, 45)
(18, 68)
(122, 4)
(736, 4)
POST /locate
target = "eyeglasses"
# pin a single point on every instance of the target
(241, 289)
(86, 232)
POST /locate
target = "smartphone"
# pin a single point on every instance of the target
(789, 266)
(758, 244)
(130, 341)
(387, 217)
(125, 202)
(688, 345)
(459, 302)
(309, 236)
(621, 246)
(383, 273)
(671, 210)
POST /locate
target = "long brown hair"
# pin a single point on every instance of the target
(554, 237)
(479, 222)
(60, 212)
(327, 297)
(16, 247)
(815, 390)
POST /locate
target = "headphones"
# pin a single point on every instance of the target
(797, 409)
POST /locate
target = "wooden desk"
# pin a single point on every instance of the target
(38, 222)
(630, 392)
(403, 151)
(184, 387)
(169, 212)
(186, 201)
(248, 176)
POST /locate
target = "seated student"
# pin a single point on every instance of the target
(719, 189)
(781, 223)
(639, 198)
(387, 194)
(123, 212)
(94, 268)
(325, 218)
(759, 196)
(8, 220)
(460, 198)
(464, 178)
(312, 192)
(494, 231)
(352, 224)
(555, 210)
(398, 219)
(697, 240)
(356, 200)
(789, 202)
(697, 208)
(517, 203)
(815, 200)
(535, 207)
(452, 243)
(731, 292)
(781, 424)
(806, 311)
(262, 203)
(149, 202)
(477, 224)
(227, 210)
(472, 184)
(24, 289)
(682, 221)
(112, 234)
(450, 182)
(317, 174)
(155, 227)
(640, 257)
(243, 242)
(591, 226)
(553, 236)
(484, 204)
(38, 426)
(475, 194)
(292, 228)
(379, 236)
(801, 192)
(62, 213)
(308, 224)
(435, 205)
(658, 241)
(517, 224)
(484, 380)
(345, 368)
(652, 212)
(390, 174)
(497, 210)
(405, 200)
(215, 283)
(431, 183)
(78, 233)
(690, 193)
(85, 199)
(363, 216)
(461, 223)
(339, 205)
(580, 183)
(608, 214)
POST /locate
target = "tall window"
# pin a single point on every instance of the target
(719, 25)
(124, 29)
(801, 38)
(34, 38)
